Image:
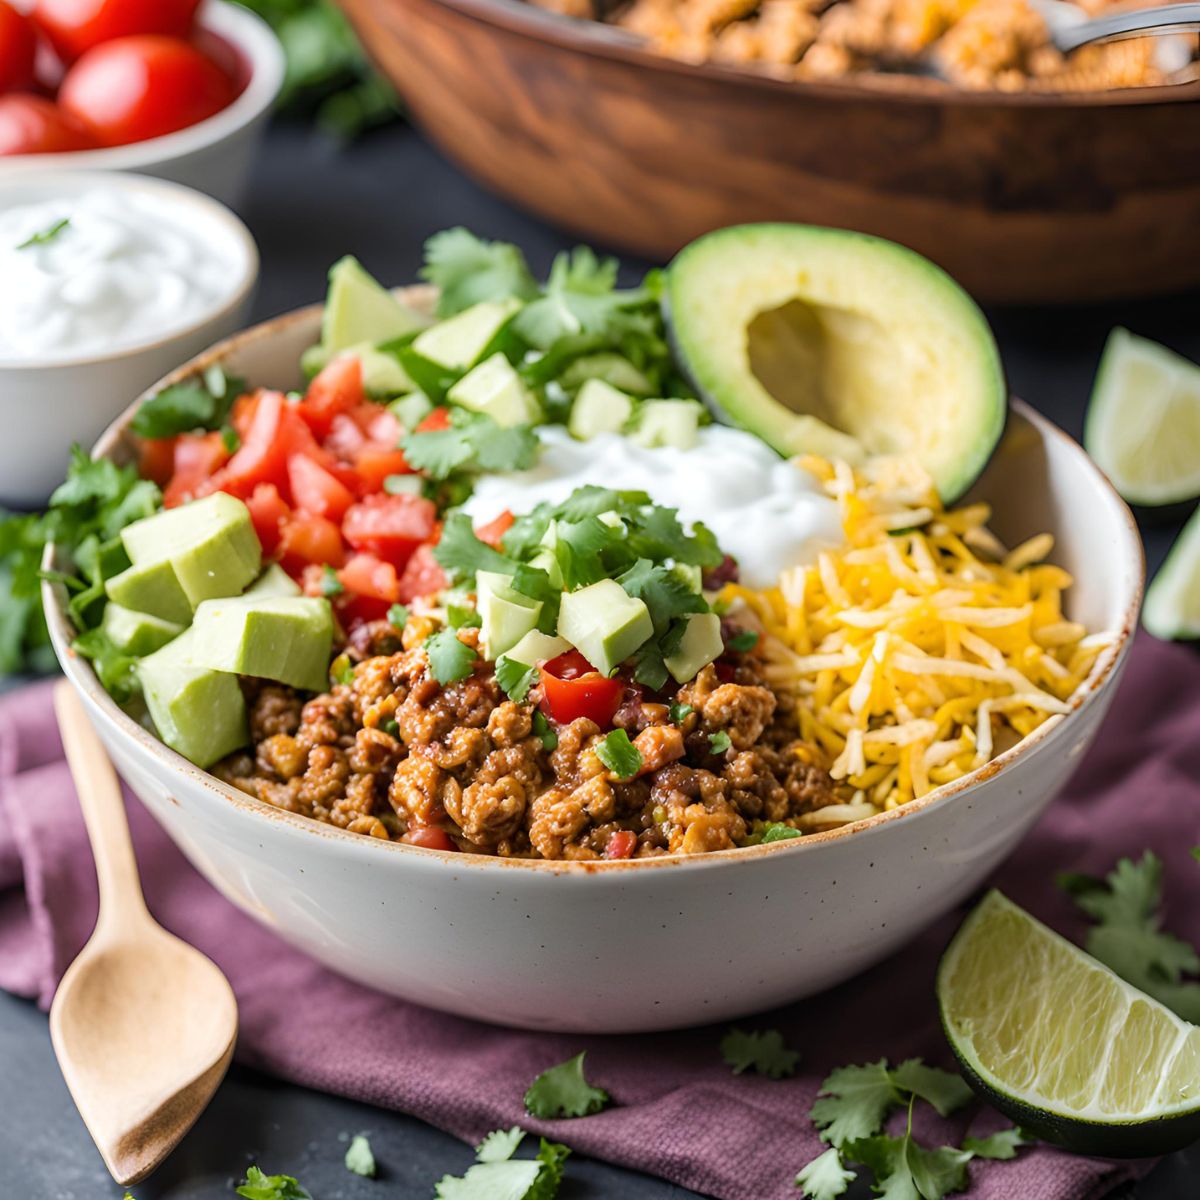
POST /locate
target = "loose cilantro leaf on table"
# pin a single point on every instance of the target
(515, 678)
(763, 1051)
(469, 270)
(496, 1175)
(619, 754)
(449, 659)
(1128, 937)
(854, 1101)
(183, 407)
(258, 1186)
(43, 236)
(499, 1145)
(944, 1090)
(1002, 1144)
(825, 1178)
(562, 1091)
(359, 1158)
(906, 1170)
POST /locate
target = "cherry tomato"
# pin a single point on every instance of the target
(142, 87)
(18, 49)
(423, 576)
(573, 688)
(337, 389)
(34, 125)
(390, 527)
(75, 26)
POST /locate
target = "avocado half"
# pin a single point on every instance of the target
(838, 343)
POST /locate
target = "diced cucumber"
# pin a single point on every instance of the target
(137, 633)
(666, 423)
(536, 648)
(599, 408)
(701, 644)
(458, 342)
(613, 369)
(495, 389)
(506, 615)
(604, 623)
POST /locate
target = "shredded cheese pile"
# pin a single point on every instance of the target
(922, 648)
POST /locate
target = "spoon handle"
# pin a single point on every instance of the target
(103, 810)
(1137, 22)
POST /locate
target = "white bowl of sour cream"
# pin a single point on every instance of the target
(106, 281)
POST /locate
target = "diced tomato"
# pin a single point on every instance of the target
(573, 688)
(428, 836)
(378, 423)
(241, 414)
(315, 490)
(261, 457)
(197, 457)
(423, 576)
(494, 530)
(269, 512)
(374, 463)
(436, 421)
(345, 437)
(337, 389)
(367, 575)
(156, 459)
(307, 538)
(391, 527)
(621, 844)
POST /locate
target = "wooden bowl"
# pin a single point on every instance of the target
(1022, 198)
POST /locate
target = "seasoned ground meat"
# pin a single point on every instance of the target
(395, 754)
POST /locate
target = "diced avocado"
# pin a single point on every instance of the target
(285, 638)
(151, 588)
(360, 310)
(198, 712)
(210, 544)
(495, 388)
(537, 647)
(700, 644)
(382, 373)
(411, 410)
(666, 423)
(507, 616)
(599, 408)
(459, 341)
(274, 581)
(604, 623)
(137, 633)
(833, 342)
(614, 369)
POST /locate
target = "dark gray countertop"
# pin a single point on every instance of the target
(311, 203)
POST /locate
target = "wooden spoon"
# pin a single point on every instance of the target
(142, 1023)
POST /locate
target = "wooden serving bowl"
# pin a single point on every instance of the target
(1021, 198)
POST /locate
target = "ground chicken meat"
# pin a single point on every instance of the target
(394, 753)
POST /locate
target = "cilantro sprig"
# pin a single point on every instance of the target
(259, 1186)
(473, 442)
(563, 1091)
(496, 1173)
(762, 1051)
(184, 407)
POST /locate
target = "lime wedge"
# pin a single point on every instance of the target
(1172, 608)
(1143, 421)
(1056, 1041)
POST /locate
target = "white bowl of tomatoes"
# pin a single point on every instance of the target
(176, 89)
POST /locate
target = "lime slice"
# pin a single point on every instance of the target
(1143, 421)
(1172, 608)
(1067, 1049)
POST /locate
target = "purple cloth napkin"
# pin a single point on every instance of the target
(678, 1112)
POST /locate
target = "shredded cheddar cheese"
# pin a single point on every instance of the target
(923, 647)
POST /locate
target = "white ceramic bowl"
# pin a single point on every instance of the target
(46, 405)
(660, 943)
(213, 156)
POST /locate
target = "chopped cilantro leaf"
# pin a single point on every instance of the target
(437, 452)
(331, 585)
(341, 670)
(462, 616)
(854, 1101)
(515, 678)
(43, 236)
(778, 832)
(462, 553)
(1128, 937)
(763, 1051)
(196, 404)
(258, 1186)
(511, 1180)
(664, 593)
(719, 742)
(619, 754)
(825, 1178)
(651, 670)
(543, 729)
(744, 640)
(397, 616)
(499, 1145)
(359, 1158)
(562, 1091)
(591, 501)
(679, 713)
(1002, 1144)
(449, 659)
(468, 270)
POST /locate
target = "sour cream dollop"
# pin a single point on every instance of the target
(769, 514)
(123, 269)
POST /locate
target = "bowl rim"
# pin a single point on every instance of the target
(263, 54)
(596, 39)
(78, 671)
(245, 268)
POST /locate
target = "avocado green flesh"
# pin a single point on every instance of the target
(837, 343)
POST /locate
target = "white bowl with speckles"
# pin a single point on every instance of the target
(666, 942)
